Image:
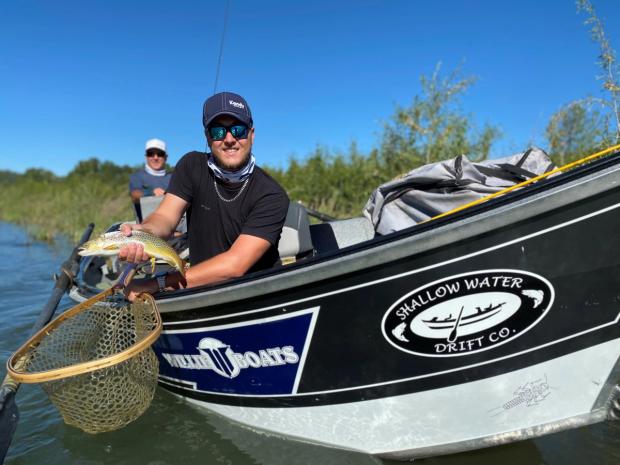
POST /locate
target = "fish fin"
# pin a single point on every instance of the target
(184, 267)
(152, 260)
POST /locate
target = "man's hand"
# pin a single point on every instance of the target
(158, 191)
(132, 253)
(138, 286)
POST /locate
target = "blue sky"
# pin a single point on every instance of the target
(97, 79)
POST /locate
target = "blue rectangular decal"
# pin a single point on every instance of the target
(259, 357)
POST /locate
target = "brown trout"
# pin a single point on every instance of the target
(111, 243)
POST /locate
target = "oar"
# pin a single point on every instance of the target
(9, 415)
(452, 336)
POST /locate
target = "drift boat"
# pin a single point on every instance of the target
(492, 324)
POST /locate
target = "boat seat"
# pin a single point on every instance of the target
(148, 204)
(295, 241)
(335, 235)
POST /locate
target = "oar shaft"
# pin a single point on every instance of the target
(67, 271)
(9, 414)
(318, 215)
(48, 310)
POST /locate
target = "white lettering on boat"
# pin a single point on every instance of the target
(219, 357)
(494, 282)
(467, 313)
(427, 297)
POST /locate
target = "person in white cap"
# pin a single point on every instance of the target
(153, 178)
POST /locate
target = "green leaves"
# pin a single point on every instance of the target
(433, 127)
(576, 130)
(583, 126)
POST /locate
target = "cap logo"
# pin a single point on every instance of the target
(236, 104)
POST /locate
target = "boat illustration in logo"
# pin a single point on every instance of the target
(467, 313)
(479, 315)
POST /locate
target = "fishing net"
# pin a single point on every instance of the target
(95, 361)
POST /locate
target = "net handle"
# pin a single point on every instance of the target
(16, 361)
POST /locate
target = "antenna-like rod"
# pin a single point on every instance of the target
(219, 58)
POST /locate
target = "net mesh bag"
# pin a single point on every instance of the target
(95, 361)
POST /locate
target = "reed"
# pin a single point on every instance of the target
(47, 205)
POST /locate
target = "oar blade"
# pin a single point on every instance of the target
(9, 417)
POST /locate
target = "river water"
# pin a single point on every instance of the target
(172, 432)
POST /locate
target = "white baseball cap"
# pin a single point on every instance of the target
(156, 144)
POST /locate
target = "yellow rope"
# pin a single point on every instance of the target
(529, 181)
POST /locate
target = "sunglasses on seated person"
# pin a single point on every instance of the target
(155, 153)
(238, 131)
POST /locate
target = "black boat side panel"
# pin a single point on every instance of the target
(488, 305)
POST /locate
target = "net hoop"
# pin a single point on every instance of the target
(17, 361)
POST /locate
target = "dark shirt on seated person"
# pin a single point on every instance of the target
(214, 224)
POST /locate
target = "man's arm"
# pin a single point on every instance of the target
(136, 194)
(233, 263)
(135, 187)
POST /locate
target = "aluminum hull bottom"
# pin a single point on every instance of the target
(514, 406)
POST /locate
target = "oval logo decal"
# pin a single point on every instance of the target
(467, 313)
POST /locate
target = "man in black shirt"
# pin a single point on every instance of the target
(235, 210)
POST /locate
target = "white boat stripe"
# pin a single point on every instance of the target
(240, 324)
(407, 273)
(428, 375)
(307, 342)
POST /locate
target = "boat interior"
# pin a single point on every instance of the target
(300, 240)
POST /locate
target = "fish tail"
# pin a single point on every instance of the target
(178, 263)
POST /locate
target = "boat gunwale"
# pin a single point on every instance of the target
(411, 241)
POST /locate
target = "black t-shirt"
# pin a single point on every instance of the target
(213, 224)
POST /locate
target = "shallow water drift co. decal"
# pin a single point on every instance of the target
(257, 357)
(467, 313)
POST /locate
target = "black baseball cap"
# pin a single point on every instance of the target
(226, 103)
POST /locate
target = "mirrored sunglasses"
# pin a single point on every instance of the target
(238, 131)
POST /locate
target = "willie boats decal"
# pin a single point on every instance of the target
(218, 356)
(467, 313)
(264, 356)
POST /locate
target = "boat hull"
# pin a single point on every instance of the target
(495, 325)
(344, 360)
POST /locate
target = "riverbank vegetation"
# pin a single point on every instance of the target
(338, 184)
(48, 205)
(432, 127)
